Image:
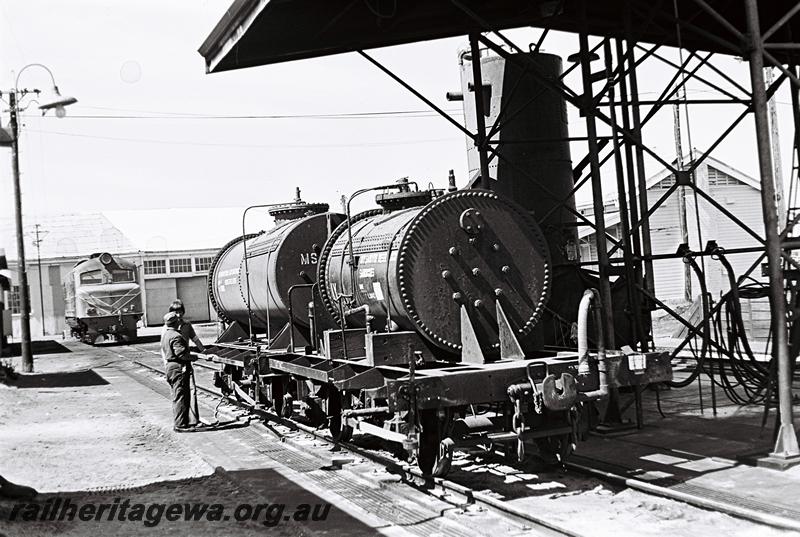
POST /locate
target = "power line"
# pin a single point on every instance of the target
(355, 115)
(252, 146)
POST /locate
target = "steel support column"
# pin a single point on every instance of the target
(626, 239)
(597, 190)
(786, 449)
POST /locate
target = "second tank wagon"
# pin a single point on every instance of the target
(252, 277)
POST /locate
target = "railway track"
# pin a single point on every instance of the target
(442, 488)
(457, 495)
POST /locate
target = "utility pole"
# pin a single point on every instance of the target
(682, 222)
(776, 152)
(57, 102)
(24, 299)
(37, 241)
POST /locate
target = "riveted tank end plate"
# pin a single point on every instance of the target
(466, 251)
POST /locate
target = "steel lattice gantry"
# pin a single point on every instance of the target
(260, 32)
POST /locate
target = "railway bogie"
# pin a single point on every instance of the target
(433, 297)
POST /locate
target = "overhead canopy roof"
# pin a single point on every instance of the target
(260, 32)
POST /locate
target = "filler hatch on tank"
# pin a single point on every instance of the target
(297, 209)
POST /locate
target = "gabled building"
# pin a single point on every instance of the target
(735, 191)
(739, 194)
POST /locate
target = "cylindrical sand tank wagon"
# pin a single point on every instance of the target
(416, 267)
(277, 260)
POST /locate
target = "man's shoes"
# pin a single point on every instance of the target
(183, 429)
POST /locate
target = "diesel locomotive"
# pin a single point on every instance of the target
(414, 325)
(103, 298)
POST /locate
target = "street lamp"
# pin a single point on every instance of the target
(11, 138)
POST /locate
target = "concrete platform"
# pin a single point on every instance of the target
(689, 450)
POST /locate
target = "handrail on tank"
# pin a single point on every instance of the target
(247, 269)
(291, 312)
(399, 186)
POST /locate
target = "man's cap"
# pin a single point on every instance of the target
(172, 319)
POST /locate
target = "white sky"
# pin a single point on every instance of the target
(95, 49)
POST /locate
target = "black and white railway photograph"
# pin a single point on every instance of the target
(430, 268)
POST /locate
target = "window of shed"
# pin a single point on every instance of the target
(180, 265)
(155, 266)
(15, 300)
(202, 264)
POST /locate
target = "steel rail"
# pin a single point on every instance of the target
(473, 496)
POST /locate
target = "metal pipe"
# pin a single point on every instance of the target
(291, 312)
(247, 268)
(312, 317)
(480, 135)
(589, 296)
(786, 444)
(351, 260)
(583, 337)
(365, 411)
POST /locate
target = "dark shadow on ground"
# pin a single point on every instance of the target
(138, 341)
(48, 346)
(68, 379)
(279, 502)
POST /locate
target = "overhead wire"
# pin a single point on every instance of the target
(390, 114)
(257, 146)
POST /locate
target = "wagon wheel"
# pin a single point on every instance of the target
(339, 432)
(555, 449)
(435, 454)
(286, 406)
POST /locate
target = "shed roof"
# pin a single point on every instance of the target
(259, 32)
(66, 235)
(130, 231)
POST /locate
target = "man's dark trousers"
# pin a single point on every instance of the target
(178, 377)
